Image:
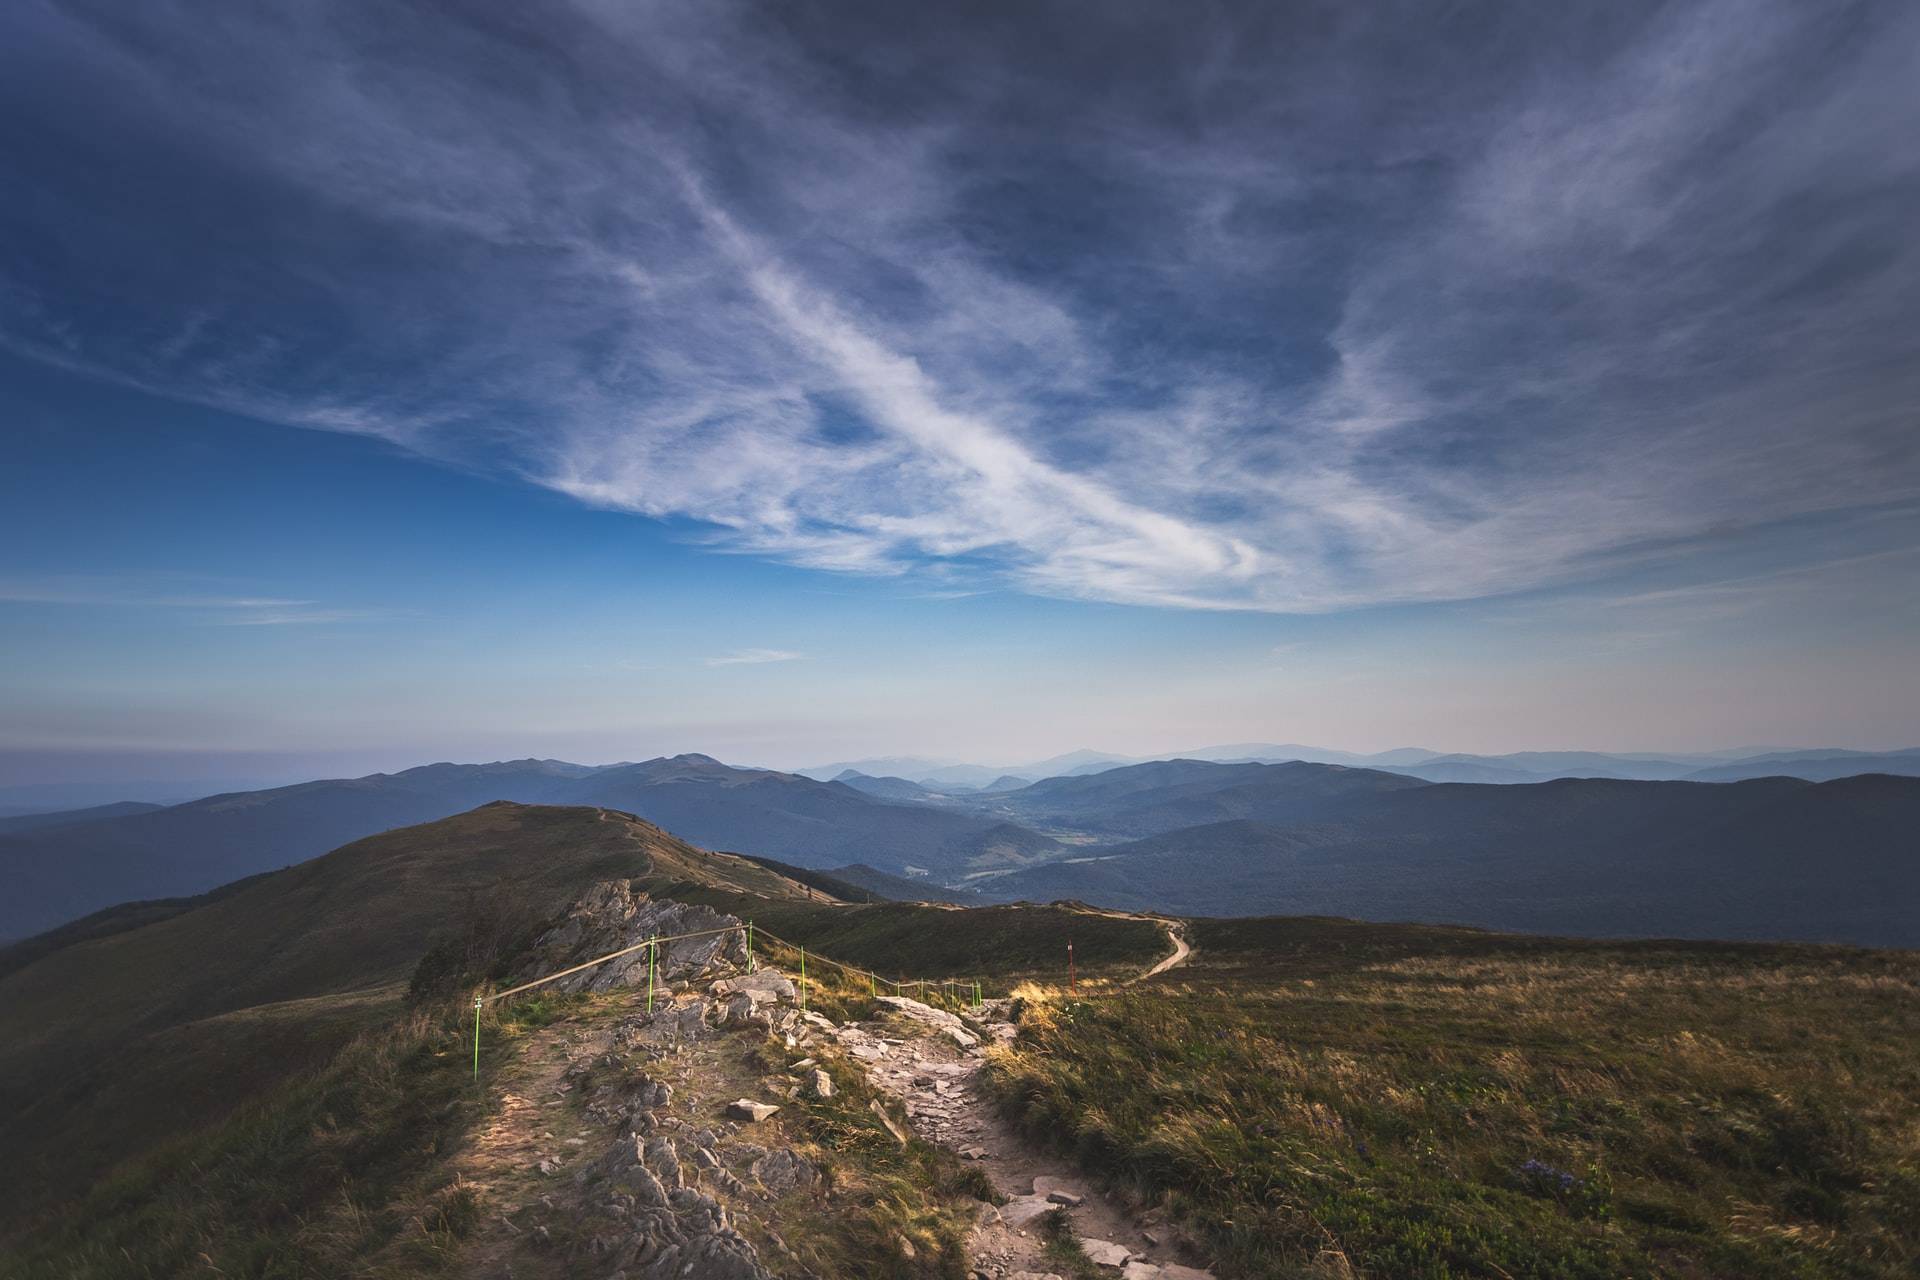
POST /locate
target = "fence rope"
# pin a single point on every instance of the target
(611, 955)
(749, 932)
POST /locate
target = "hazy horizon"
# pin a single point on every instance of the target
(59, 779)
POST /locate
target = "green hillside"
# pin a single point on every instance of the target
(1328, 1098)
(114, 1042)
(129, 1029)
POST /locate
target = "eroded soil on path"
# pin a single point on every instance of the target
(618, 1144)
(931, 1061)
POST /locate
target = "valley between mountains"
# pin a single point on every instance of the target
(1762, 858)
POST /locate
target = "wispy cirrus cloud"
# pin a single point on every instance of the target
(163, 593)
(752, 657)
(1298, 323)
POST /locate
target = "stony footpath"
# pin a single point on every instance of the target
(930, 1060)
(641, 1143)
(634, 1146)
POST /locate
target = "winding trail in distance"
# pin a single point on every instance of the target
(1176, 931)
(1177, 935)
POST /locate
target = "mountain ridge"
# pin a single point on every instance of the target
(64, 872)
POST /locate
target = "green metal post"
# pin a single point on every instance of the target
(652, 947)
(977, 1001)
(803, 979)
(749, 946)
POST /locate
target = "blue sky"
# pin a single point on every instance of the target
(384, 382)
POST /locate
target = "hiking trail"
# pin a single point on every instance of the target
(636, 1143)
(931, 1060)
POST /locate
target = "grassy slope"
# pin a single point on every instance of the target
(344, 1169)
(930, 941)
(1326, 1097)
(301, 1183)
(113, 1043)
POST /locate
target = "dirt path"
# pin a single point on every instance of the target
(1176, 931)
(530, 1134)
(917, 1058)
(1177, 935)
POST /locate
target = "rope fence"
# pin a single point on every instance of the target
(944, 987)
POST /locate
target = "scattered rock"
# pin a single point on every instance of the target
(769, 984)
(783, 1171)
(750, 1111)
(1105, 1253)
(821, 1084)
(1021, 1210)
(1060, 1191)
(893, 1126)
(939, 1019)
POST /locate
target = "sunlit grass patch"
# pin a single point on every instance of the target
(1524, 1108)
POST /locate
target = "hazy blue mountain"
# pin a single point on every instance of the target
(1820, 766)
(1540, 766)
(60, 870)
(1414, 762)
(879, 767)
(1281, 752)
(895, 789)
(1073, 762)
(67, 817)
(894, 888)
(1777, 858)
(63, 872)
(1458, 770)
(1167, 794)
(938, 774)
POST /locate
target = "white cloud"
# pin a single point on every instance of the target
(164, 592)
(685, 278)
(753, 657)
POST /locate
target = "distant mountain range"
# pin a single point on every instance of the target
(67, 817)
(958, 775)
(71, 864)
(1775, 858)
(952, 777)
(1828, 859)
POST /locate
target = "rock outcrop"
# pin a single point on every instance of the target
(674, 1229)
(612, 916)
